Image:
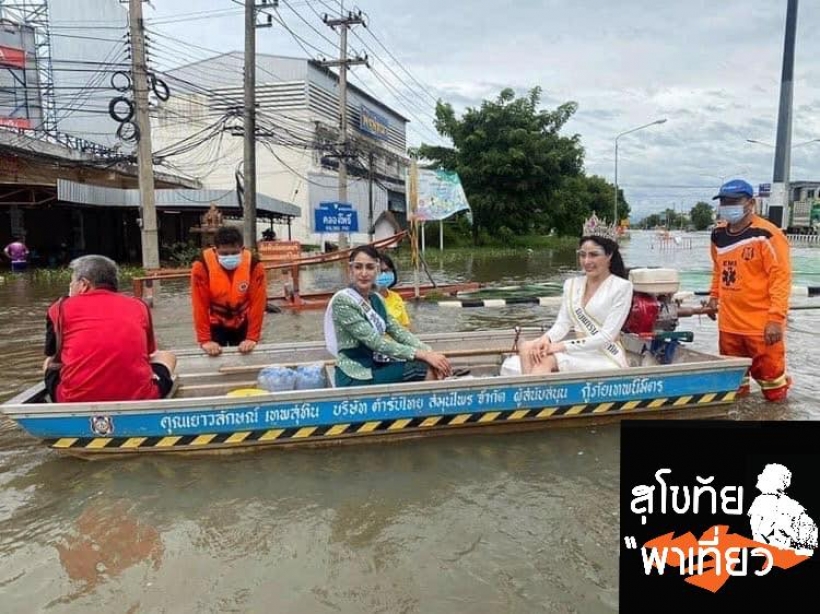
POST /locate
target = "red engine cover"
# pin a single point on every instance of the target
(643, 315)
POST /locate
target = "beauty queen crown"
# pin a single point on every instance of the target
(594, 227)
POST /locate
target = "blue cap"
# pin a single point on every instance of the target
(734, 189)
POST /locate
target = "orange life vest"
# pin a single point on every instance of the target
(229, 289)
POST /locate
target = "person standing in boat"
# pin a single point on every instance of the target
(228, 294)
(100, 344)
(392, 300)
(594, 306)
(370, 346)
(751, 285)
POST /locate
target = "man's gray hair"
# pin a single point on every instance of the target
(96, 270)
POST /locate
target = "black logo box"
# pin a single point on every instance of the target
(734, 453)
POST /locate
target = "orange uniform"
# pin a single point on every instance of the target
(751, 279)
(228, 299)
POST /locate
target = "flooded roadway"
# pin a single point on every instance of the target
(512, 523)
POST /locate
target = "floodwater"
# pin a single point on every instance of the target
(511, 523)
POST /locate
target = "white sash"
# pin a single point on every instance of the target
(376, 321)
(585, 323)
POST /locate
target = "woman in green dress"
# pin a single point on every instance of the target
(370, 346)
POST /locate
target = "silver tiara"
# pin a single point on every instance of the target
(593, 227)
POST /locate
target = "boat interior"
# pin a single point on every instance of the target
(472, 355)
(475, 355)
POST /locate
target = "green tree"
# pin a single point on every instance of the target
(672, 219)
(576, 199)
(702, 215)
(510, 158)
(653, 220)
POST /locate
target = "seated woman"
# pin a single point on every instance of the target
(594, 305)
(392, 300)
(371, 347)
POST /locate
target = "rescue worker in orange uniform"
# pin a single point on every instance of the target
(751, 284)
(228, 293)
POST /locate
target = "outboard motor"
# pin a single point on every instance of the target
(653, 306)
(654, 315)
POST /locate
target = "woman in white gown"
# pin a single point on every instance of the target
(594, 306)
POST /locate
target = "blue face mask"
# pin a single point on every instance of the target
(229, 263)
(732, 213)
(386, 279)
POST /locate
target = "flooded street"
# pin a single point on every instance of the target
(512, 523)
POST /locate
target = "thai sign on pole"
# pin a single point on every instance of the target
(440, 195)
(331, 216)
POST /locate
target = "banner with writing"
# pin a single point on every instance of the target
(440, 195)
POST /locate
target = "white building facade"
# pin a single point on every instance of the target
(298, 140)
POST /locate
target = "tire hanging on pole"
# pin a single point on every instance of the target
(124, 81)
(159, 87)
(129, 132)
(117, 117)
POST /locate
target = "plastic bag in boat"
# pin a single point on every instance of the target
(511, 366)
(276, 379)
(309, 377)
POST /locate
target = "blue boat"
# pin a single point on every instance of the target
(215, 406)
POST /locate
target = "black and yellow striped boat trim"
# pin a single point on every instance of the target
(305, 433)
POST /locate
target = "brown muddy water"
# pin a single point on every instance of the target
(505, 523)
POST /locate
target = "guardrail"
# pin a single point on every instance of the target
(807, 239)
(143, 285)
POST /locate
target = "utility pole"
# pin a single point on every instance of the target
(145, 162)
(779, 199)
(344, 22)
(370, 197)
(249, 204)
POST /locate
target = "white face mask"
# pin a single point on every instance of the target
(229, 262)
(732, 213)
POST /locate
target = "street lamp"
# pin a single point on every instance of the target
(657, 121)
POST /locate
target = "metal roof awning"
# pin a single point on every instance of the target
(98, 196)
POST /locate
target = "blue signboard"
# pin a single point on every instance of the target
(764, 189)
(332, 216)
(373, 124)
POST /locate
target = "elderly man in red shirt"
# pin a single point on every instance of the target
(100, 344)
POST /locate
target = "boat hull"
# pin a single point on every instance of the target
(704, 385)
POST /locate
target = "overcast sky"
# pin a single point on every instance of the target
(712, 68)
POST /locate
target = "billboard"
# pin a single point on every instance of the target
(373, 124)
(85, 57)
(440, 195)
(20, 103)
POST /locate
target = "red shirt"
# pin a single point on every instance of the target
(106, 341)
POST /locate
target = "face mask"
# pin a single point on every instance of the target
(732, 213)
(386, 279)
(229, 263)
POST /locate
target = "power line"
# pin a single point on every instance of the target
(299, 40)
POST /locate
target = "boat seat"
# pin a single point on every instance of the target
(174, 387)
(330, 372)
